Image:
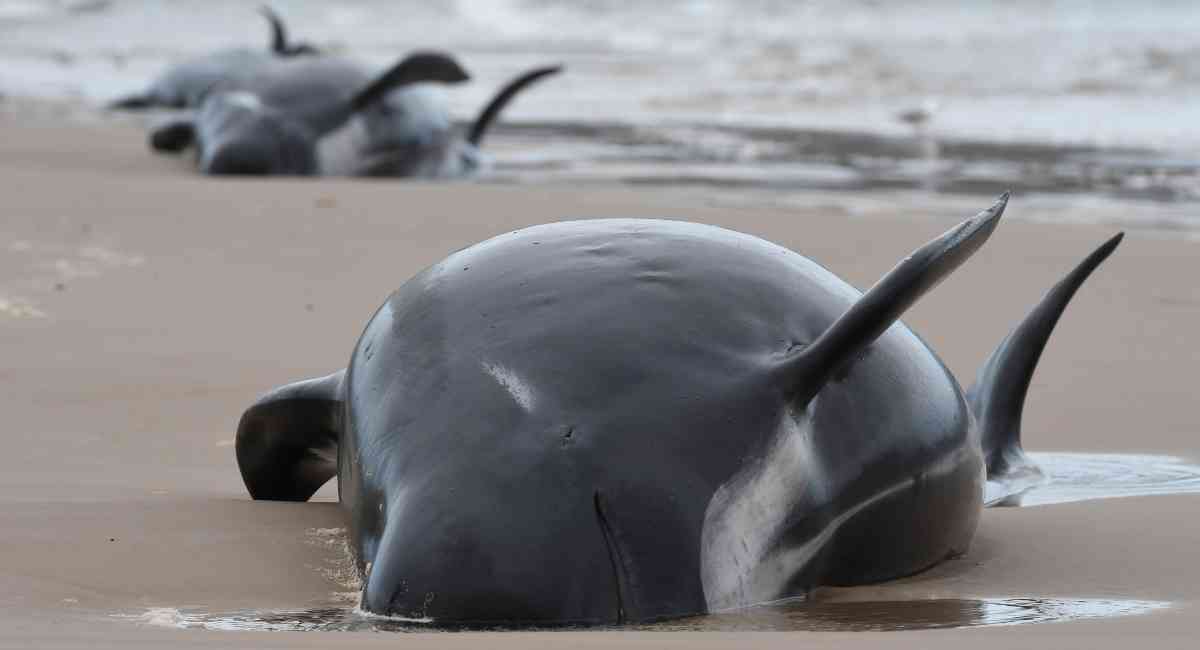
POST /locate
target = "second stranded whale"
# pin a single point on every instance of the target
(625, 420)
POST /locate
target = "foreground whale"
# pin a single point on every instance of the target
(185, 85)
(277, 129)
(605, 421)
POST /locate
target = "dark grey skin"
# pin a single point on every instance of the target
(187, 84)
(277, 130)
(410, 134)
(405, 132)
(598, 422)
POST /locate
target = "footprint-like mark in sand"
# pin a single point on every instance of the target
(50, 267)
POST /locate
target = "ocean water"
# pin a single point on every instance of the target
(1049, 98)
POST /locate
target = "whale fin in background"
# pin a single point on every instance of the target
(490, 112)
(279, 39)
(417, 67)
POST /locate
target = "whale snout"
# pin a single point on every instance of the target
(499, 563)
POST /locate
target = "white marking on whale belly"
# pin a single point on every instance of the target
(521, 393)
(746, 514)
(740, 564)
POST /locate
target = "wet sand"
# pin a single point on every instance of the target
(147, 307)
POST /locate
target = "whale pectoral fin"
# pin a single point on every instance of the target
(998, 396)
(173, 135)
(287, 441)
(805, 372)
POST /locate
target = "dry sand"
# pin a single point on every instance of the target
(144, 308)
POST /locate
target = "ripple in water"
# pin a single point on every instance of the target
(1083, 477)
(793, 616)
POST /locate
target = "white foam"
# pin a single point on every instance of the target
(164, 617)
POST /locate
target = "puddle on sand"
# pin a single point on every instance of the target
(1083, 477)
(1070, 477)
(794, 616)
(926, 614)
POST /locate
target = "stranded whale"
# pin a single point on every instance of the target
(186, 84)
(621, 420)
(316, 110)
(410, 134)
(277, 128)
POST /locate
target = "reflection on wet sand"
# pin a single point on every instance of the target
(792, 616)
(934, 613)
(1070, 477)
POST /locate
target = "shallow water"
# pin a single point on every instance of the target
(1070, 477)
(1084, 477)
(1070, 97)
(797, 616)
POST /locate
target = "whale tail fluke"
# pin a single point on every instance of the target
(287, 441)
(998, 396)
(806, 371)
(490, 112)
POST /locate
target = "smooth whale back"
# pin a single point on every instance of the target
(410, 134)
(626, 420)
(274, 122)
(186, 84)
(303, 88)
(627, 363)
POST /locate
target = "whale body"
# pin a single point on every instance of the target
(626, 420)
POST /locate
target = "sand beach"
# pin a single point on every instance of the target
(143, 307)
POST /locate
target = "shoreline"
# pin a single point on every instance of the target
(184, 297)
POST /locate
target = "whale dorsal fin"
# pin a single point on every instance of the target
(998, 396)
(287, 441)
(279, 41)
(490, 112)
(419, 67)
(279, 38)
(806, 371)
